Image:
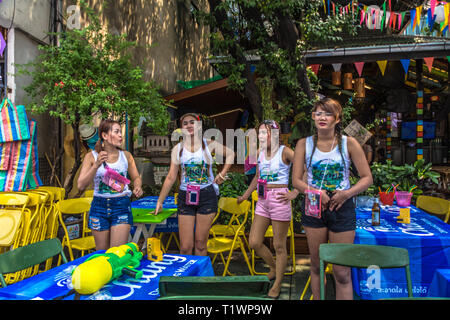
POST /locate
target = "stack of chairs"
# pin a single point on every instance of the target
(26, 218)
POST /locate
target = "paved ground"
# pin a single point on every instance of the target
(292, 286)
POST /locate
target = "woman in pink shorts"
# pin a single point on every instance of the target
(274, 201)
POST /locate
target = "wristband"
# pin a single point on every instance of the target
(223, 178)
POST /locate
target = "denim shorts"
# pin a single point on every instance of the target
(207, 202)
(341, 220)
(108, 212)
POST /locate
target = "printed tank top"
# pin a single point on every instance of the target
(328, 166)
(274, 171)
(195, 170)
(120, 166)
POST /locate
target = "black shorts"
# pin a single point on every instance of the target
(207, 202)
(341, 220)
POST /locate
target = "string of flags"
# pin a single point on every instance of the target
(381, 64)
(376, 17)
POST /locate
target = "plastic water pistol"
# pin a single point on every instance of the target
(99, 269)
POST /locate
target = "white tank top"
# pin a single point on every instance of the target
(103, 190)
(336, 176)
(195, 170)
(274, 171)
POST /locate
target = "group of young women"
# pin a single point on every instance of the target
(320, 170)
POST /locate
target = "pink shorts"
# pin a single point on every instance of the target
(273, 208)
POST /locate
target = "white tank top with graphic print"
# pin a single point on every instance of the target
(103, 190)
(336, 176)
(195, 170)
(274, 171)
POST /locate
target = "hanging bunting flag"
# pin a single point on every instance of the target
(337, 66)
(448, 58)
(429, 62)
(418, 15)
(383, 17)
(2, 44)
(405, 64)
(315, 68)
(328, 7)
(359, 67)
(432, 7)
(382, 64)
(413, 20)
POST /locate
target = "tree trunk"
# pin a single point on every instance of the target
(250, 89)
(68, 182)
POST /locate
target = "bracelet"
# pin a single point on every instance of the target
(223, 178)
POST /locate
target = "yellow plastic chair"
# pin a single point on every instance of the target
(269, 234)
(89, 193)
(75, 207)
(51, 220)
(434, 205)
(220, 244)
(12, 211)
(328, 270)
(228, 205)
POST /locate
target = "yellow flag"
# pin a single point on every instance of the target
(382, 64)
(446, 10)
(418, 14)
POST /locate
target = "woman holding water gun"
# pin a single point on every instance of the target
(329, 213)
(274, 201)
(197, 196)
(110, 217)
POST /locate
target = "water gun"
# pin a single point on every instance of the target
(154, 252)
(100, 269)
(114, 179)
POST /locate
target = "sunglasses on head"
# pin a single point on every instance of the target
(270, 123)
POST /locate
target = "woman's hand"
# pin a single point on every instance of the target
(241, 199)
(102, 157)
(220, 178)
(286, 196)
(137, 191)
(325, 200)
(158, 208)
(338, 199)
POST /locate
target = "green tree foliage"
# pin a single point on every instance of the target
(278, 33)
(91, 74)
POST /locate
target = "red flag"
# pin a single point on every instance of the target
(359, 67)
(315, 68)
(429, 62)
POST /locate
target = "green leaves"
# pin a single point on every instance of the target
(91, 73)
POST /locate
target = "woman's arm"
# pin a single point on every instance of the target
(89, 169)
(250, 188)
(170, 179)
(358, 157)
(222, 151)
(134, 175)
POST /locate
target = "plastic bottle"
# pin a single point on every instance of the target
(376, 213)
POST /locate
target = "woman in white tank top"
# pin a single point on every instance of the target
(193, 158)
(272, 170)
(110, 217)
(326, 158)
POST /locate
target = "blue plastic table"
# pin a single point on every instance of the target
(427, 239)
(440, 285)
(57, 281)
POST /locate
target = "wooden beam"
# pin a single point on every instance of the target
(185, 94)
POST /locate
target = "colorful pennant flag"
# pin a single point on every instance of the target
(2, 44)
(315, 68)
(337, 66)
(359, 67)
(382, 65)
(405, 64)
(429, 62)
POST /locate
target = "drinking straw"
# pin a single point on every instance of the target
(396, 186)
(412, 189)
(380, 189)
